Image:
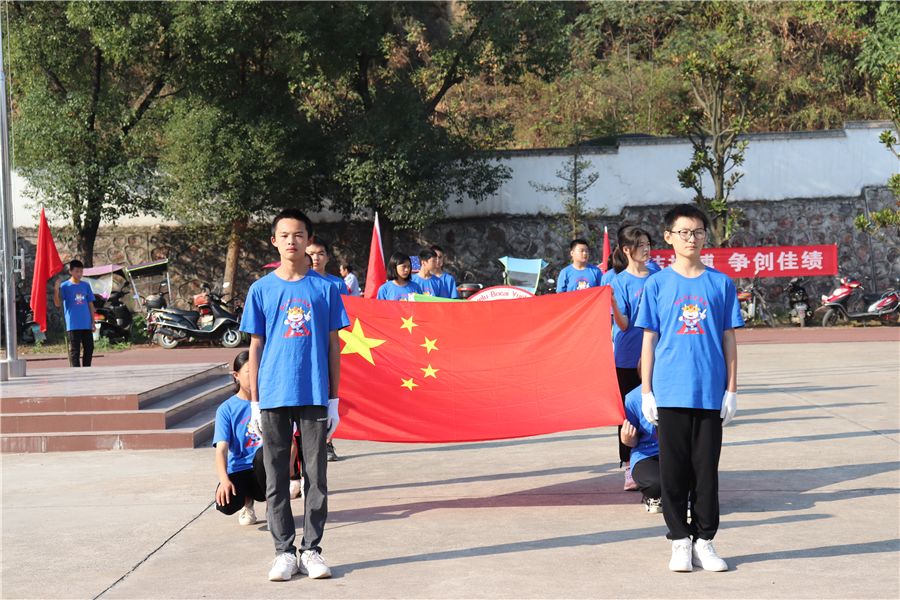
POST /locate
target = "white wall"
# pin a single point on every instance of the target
(778, 166)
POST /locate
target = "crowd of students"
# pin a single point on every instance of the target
(675, 357)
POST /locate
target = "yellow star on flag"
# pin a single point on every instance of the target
(356, 342)
(430, 345)
(430, 371)
(409, 384)
(408, 324)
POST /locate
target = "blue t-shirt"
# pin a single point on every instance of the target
(433, 286)
(449, 282)
(232, 418)
(610, 275)
(648, 441)
(75, 298)
(571, 279)
(338, 282)
(296, 319)
(627, 344)
(690, 315)
(391, 291)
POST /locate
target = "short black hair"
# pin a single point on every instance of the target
(426, 254)
(75, 264)
(435, 248)
(316, 240)
(347, 266)
(297, 215)
(576, 242)
(684, 210)
(397, 258)
(239, 361)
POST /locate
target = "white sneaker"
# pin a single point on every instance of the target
(681, 556)
(653, 505)
(704, 555)
(312, 564)
(630, 485)
(296, 488)
(283, 567)
(247, 516)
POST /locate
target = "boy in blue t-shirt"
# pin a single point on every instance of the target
(640, 435)
(448, 280)
(293, 315)
(689, 384)
(430, 284)
(77, 300)
(579, 275)
(239, 453)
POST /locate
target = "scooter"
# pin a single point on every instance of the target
(849, 302)
(214, 321)
(113, 317)
(799, 302)
(754, 305)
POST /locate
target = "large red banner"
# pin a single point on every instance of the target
(767, 261)
(470, 371)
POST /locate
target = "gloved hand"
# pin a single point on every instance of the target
(729, 407)
(255, 424)
(648, 407)
(333, 417)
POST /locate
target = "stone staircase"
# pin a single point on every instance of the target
(121, 411)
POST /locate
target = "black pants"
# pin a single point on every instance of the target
(646, 475)
(277, 431)
(250, 483)
(628, 380)
(78, 339)
(690, 442)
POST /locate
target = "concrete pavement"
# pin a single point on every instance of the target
(809, 496)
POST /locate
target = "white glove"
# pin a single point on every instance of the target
(648, 407)
(333, 417)
(729, 407)
(255, 424)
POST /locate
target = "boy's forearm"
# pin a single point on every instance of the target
(620, 319)
(334, 364)
(648, 352)
(257, 343)
(222, 461)
(729, 346)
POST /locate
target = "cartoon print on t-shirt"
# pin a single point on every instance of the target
(79, 298)
(691, 316)
(582, 284)
(252, 438)
(296, 321)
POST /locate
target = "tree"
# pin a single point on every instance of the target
(380, 75)
(576, 181)
(235, 145)
(86, 78)
(717, 61)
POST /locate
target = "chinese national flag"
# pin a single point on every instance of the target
(376, 274)
(46, 265)
(470, 371)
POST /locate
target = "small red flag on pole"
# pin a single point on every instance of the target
(46, 265)
(376, 274)
(604, 264)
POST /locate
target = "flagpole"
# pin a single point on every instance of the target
(11, 365)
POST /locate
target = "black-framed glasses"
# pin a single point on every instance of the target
(686, 234)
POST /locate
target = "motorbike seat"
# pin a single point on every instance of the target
(190, 314)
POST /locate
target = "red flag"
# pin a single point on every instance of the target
(604, 264)
(376, 274)
(468, 371)
(46, 265)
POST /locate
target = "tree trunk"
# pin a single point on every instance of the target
(87, 235)
(387, 235)
(235, 238)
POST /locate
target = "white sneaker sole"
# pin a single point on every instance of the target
(280, 576)
(718, 569)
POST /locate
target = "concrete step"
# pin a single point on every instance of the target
(196, 430)
(158, 414)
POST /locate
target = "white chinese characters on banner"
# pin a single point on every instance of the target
(787, 261)
(738, 261)
(708, 260)
(764, 261)
(811, 260)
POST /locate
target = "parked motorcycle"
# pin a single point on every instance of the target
(798, 299)
(27, 329)
(113, 317)
(849, 302)
(212, 321)
(754, 305)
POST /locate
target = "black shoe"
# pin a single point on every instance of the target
(331, 454)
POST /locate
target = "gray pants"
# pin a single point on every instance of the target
(277, 434)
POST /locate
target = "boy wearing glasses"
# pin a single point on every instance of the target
(689, 384)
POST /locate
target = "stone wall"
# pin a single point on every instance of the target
(474, 244)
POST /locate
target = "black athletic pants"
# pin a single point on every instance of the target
(248, 483)
(78, 339)
(646, 475)
(628, 380)
(690, 442)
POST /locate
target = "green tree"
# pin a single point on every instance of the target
(86, 78)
